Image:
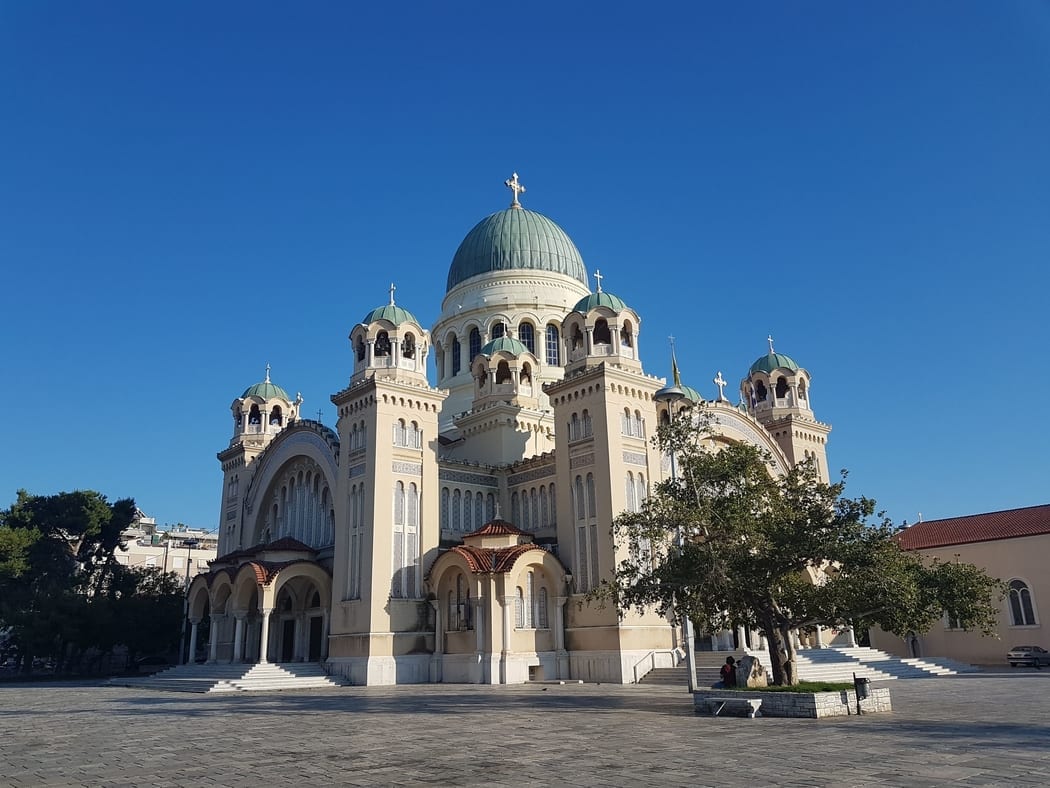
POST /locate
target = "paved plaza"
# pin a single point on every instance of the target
(989, 729)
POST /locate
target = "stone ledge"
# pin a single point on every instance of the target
(814, 705)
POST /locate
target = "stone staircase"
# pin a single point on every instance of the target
(823, 664)
(235, 678)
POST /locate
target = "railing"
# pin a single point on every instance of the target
(676, 653)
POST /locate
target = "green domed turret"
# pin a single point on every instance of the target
(266, 390)
(589, 302)
(391, 313)
(506, 344)
(773, 360)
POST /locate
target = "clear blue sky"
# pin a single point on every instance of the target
(189, 191)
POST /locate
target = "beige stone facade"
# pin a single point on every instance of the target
(451, 531)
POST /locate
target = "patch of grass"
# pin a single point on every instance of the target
(802, 686)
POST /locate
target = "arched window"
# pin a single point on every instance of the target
(457, 508)
(254, 417)
(456, 356)
(445, 500)
(382, 346)
(541, 609)
(592, 505)
(553, 509)
(801, 389)
(760, 391)
(527, 335)
(530, 600)
(577, 338)
(498, 330)
(545, 519)
(553, 341)
(479, 510)
(626, 338)
(519, 609)
(515, 509)
(782, 387)
(581, 505)
(475, 343)
(359, 349)
(503, 372)
(408, 346)
(1022, 613)
(602, 335)
(632, 503)
(468, 512)
(490, 506)
(526, 374)
(526, 511)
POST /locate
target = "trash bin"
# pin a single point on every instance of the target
(863, 687)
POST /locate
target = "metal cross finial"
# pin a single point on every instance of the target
(769, 339)
(319, 414)
(393, 287)
(598, 276)
(516, 188)
(721, 383)
(267, 373)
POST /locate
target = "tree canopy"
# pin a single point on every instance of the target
(778, 552)
(62, 590)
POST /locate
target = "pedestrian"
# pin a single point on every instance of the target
(728, 673)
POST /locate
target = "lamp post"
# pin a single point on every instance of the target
(189, 544)
(671, 395)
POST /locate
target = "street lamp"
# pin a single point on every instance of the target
(189, 544)
(671, 395)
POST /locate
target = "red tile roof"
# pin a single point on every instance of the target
(1011, 524)
(483, 560)
(498, 528)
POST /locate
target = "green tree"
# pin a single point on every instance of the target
(776, 552)
(59, 574)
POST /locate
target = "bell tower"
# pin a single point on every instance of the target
(777, 393)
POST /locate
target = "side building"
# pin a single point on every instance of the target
(1012, 545)
(451, 532)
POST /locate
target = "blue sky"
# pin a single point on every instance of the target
(191, 191)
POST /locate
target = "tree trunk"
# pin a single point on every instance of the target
(781, 649)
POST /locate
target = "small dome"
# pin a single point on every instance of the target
(692, 395)
(771, 361)
(391, 313)
(505, 344)
(266, 390)
(516, 239)
(589, 302)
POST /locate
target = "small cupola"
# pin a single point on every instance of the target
(504, 370)
(391, 342)
(263, 410)
(601, 328)
(775, 384)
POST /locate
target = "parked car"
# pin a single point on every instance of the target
(1033, 656)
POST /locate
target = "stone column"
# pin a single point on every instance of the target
(588, 340)
(213, 638)
(508, 602)
(479, 637)
(264, 635)
(194, 624)
(852, 636)
(439, 643)
(820, 636)
(741, 638)
(370, 354)
(561, 655)
(238, 637)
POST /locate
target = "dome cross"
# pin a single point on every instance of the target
(721, 383)
(598, 277)
(516, 189)
(769, 339)
(267, 373)
(393, 287)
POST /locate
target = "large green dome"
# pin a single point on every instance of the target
(516, 239)
(505, 344)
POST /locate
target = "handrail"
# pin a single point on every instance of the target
(677, 652)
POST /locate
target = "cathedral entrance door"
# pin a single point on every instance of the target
(288, 640)
(316, 626)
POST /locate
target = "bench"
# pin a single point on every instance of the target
(753, 704)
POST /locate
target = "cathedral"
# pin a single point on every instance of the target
(452, 532)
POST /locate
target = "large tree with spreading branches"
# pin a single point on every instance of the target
(731, 542)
